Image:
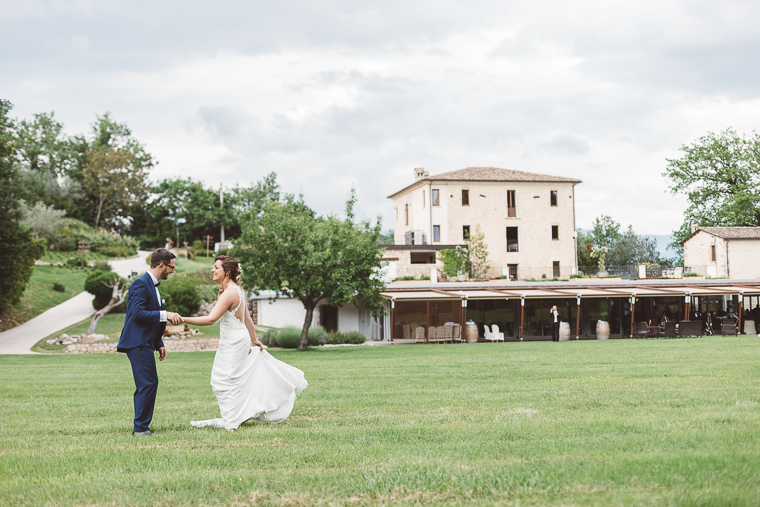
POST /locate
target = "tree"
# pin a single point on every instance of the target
(114, 172)
(630, 249)
(585, 246)
(18, 250)
(46, 223)
(605, 232)
(476, 245)
(286, 248)
(720, 175)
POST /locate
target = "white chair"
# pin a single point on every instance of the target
(448, 334)
(432, 334)
(456, 333)
(487, 331)
(497, 336)
(419, 335)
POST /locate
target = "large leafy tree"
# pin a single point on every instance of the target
(18, 250)
(623, 248)
(720, 175)
(114, 174)
(288, 249)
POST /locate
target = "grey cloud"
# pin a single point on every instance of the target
(564, 144)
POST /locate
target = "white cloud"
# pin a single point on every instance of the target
(359, 93)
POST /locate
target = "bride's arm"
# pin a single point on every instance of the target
(222, 305)
(252, 330)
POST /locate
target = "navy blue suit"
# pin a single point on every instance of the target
(140, 338)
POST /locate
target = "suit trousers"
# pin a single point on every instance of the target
(555, 332)
(143, 362)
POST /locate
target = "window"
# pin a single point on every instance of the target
(434, 197)
(555, 232)
(466, 232)
(512, 239)
(712, 253)
(436, 233)
(511, 208)
(406, 212)
(512, 271)
(465, 197)
(553, 197)
(555, 269)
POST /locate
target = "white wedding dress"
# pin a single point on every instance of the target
(249, 383)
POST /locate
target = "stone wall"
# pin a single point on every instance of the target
(182, 345)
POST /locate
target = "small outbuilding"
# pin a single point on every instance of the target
(723, 252)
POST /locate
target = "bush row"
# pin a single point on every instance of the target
(290, 337)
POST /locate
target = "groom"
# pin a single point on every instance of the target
(143, 327)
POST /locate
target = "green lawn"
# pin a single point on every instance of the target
(40, 296)
(621, 422)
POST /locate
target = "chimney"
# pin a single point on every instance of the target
(694, 228)
(420, 173)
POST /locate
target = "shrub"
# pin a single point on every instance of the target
(181, 295)
(690, 274)
(317, 336)
(268, 337)
(59, 287)
(404, 278)
(102, 266)
(425, 277)
(578, 275)
(288, 337)
(74, 262)
(117, 251)
(351, 337)
(97, 283)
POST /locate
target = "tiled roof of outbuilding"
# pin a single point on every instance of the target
(728, 232)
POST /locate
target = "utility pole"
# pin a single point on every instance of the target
(221, 206)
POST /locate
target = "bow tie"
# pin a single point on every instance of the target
(158, 283)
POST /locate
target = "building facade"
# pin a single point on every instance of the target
(723, 252)
(528, 219)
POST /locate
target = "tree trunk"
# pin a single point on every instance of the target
(100, 207)
(306, 325)
(117, 298)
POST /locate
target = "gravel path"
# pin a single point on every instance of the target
(20, 339)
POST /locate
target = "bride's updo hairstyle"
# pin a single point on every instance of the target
(231, 268)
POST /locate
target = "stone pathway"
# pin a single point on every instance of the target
(20, 339)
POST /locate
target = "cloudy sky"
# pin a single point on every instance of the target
(334, 94)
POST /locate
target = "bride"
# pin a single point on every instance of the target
(248, 382)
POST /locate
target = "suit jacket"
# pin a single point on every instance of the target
(551, 317)
(142, 322)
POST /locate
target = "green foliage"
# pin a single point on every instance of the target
(406, 278)
(578, 275)
(349, 337)
(102, 266)
(605, 231)
(478, 253)
(455, 261)
(719, 174)
(623, 249)
(111, 243)
(58, 287)
(46, 223)
(585, 244)
(100, 284)
(690, 274)
(288, 249)
(290, 337)
(181, 295)
(18, 249)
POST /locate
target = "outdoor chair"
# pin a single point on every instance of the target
(446, 333)
(727, 328)
(497, 335)
(487, 332)
(432, 334)
(690, 328)
(642, 330)
(670, 330)
(419, 335)
(456, 333)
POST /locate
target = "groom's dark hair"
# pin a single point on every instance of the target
(161, 256)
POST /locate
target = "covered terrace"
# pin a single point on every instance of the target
(521, 310)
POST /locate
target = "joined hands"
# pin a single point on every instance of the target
(174, 318)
